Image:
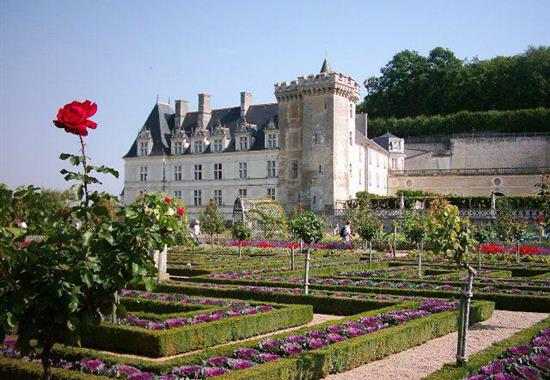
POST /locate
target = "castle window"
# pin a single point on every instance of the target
(271, 193)
(351, 138)
(350, 171)
(178, 147)
(243, 143)
(143, 173)
(198, 146)
(243, 193)
(360, 177)
(143, 148)
(370, 178)
(370, 157)
(320, 168)
(271, 169)
(197, 197)
(243, 170)
(218, 197)
(218, 145)
(314, 199)
(198, 172)
(177, 173)
(351, 110)
(394, 163)
(217, 171)
(294, 170)
(177, 193)
(272, 141)
(316, 138)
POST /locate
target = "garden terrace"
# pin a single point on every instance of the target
(311, 352)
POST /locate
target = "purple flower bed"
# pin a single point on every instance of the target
(267, 350)
(236, 308)
(530, 362)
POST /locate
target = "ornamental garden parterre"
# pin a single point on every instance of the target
(81, 298)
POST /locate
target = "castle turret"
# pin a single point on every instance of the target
(317, 127)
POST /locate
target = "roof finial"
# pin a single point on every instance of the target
(157, 98)
(326, 66)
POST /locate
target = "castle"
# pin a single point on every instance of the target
(311, 147)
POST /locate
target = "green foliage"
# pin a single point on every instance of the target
(416, 226)
(507, 228)
(240, 231)
(451, 235)
(212, 222)
(439, 84)
(484, 234)
(269, 218)
(366, 224)
(306, 226)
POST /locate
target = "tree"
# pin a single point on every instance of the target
(241, 233)
(367, 227)
(416, 228)
(452, 238)
(309, 228)
(212, 221)
(52, 289)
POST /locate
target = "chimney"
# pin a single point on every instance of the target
(205, 112)
(182, 107)
(246, 102)
(361, 123)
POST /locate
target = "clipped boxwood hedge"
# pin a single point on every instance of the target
(158, 343)
(482, 358)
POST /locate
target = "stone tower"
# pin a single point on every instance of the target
(316, 116)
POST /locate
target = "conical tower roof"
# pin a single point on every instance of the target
(326, 67)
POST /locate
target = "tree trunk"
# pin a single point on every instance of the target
(464, 318)
(292, 266)
(478, 259)
(420, 249)
(212, 240)
(306, 271)
(114, 319)
(517, 252)
(240, 249)
(46, 365)
(394, 248)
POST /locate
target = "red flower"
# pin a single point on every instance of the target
(181, 211)
(167, 200)
(73, 117)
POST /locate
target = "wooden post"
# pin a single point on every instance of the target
(394, 240)
(517, 252)
(306, 271)
(114, 318)
(370, 251)
(292, 256)
(421, 248)
(240, 249)
(478, 259)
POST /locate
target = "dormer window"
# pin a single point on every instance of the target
(198, 147)
(178, 147)
(143, 148)
(218, 145)
(243, 143)
(271, 140)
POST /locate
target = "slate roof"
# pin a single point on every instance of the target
(161, 124)
(326, 67)
(362, 140)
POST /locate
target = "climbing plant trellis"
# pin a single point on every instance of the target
(265, 217)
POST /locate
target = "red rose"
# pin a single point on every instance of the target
(73, 117)
(181, 211)
(167, 199)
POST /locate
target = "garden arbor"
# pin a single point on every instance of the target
(264, 217)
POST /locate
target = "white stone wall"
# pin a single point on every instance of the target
(256, 184)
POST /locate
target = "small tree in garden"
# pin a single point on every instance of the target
(241, 233)
(53, 289)
(309, 228)
(416, 227)
(212, 222)
(482, 234)
(367, 227)
(452, 237)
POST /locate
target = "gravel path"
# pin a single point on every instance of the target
(317, 319)
(422, 360)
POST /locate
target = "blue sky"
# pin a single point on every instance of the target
(122, 53)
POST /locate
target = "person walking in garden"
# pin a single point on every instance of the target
(345, 232)
(197, 232)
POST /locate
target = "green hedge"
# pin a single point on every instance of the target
(321, 304)
(157, 343)
(482, 358)
(11, 369)
(310, 365)
(531, 120)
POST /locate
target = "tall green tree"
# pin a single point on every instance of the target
(309, 228)
(416, 227)
(212, 222)
(240, 232)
